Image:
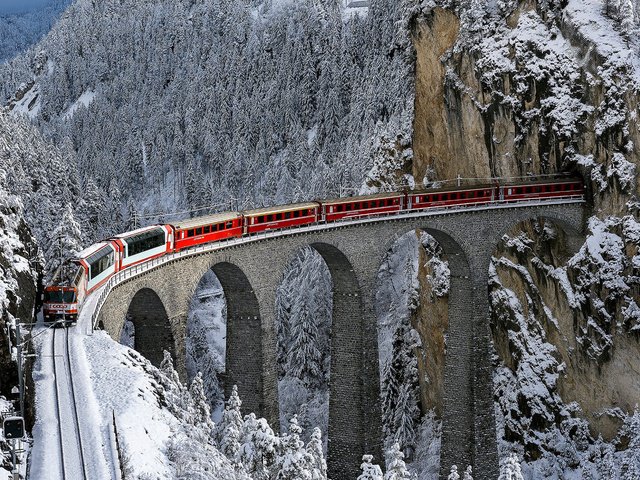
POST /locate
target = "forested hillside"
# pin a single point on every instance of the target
(20, 30)
(220, 102)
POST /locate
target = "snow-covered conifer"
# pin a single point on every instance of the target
(370, 471)
(396, 469)
(202, 409)
(166, 366)
(314, 449)
(294, 463)
(65, 245)
(229, 429)
(510, 468)
(468, 473)
(453, 474)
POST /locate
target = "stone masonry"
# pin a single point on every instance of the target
(250, 274)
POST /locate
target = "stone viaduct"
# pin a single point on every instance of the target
(159, 298)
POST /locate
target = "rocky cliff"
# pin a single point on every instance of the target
(518, 88)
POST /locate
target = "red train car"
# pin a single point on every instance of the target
(541, 189)
(282, 216)
(195, 231)
(60, 305)
(365, 205)
(445, 197)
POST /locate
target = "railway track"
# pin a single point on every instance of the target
(72, 459)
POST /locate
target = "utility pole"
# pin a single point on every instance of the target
(20, 376)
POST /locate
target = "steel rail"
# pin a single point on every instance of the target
(143, 267)
(57, 392)
(66, 358)
(72, 390)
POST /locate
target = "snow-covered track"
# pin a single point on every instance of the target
(72, 463)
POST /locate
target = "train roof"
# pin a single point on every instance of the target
(92, 249)
(362, 198)
(500, 182)
(206, 220)
(136, 232)
(279, 209)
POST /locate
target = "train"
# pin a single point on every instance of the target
(99, 262)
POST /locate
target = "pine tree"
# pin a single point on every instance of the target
(318, 463)
(396, 469)
(294, 463)
(468, 473)
(304, 356)
(453, 475)
(369, 470)
(202, 409)
(510, 468)
(66, 240)
(229, 429)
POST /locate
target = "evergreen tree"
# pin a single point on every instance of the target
(396, 469)
(453, 475)
(66, 240)
(229, 429)
(510, 468)
(369, 470)
(203, 411)
(294, 463)
(468, 473)
(304, 356)
(318, 463)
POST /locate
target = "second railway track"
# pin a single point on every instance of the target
(72, 460)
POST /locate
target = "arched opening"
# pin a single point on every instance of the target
(151, 330)
(206, 342)
(412, 311)
(303, 326)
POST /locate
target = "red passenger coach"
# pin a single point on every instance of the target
(437, 198)
(283, 216)
(212, 228)
(562, 188)
(362, 206)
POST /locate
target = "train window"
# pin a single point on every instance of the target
(229, 224)
(206, 229)
(100, 261)
(191, 233)
(199, 231)
(261, 219)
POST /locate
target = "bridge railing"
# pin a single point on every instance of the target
(136, 270)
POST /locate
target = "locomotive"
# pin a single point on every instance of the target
(100, 261)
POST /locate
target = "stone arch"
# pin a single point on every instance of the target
(153, 332)
(346, 436)
(244, 361)
(458, 406)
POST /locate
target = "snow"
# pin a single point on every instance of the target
(587, 16)
(30, 103)
(83, 100)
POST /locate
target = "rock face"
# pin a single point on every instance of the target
(519, 90)
(20, 270)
